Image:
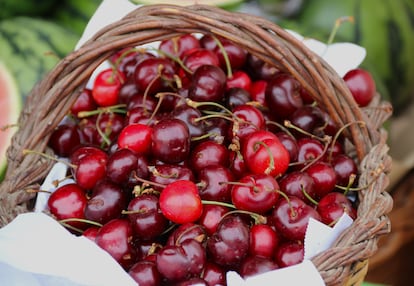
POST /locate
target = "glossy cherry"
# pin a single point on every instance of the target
(106, 87)
(361, 84)
(180, 202)
(256, 193)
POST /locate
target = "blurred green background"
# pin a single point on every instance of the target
(35, 35)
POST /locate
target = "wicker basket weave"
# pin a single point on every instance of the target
(343, 264)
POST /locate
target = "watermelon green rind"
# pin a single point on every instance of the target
(75, 14)
(225, 4)
(30, 47)
(11, 105)
(12, 8)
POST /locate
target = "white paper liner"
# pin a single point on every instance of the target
(37, 250)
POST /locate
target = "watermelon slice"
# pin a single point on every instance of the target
(225, 4)
(10, 105)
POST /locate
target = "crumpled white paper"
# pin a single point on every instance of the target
(37, 250)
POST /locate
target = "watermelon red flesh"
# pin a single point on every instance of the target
(10, 105)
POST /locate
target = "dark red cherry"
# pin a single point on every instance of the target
(345, 167)
(145, 273)
(180, 45)
(170, 140)
(299, 184)
(153, 74)
(248, 120)
(106, 202)
(196, 58)
(186, 231)
(290, 253)
(236, 96)
(146, 218)
(84, 102)
(164, 174)
(64, 139)
(254, 265)
(208, 153)
(213, 185)
(182, 261)
(229, 245)
(283, 95)
(208, 84)
(120, 165)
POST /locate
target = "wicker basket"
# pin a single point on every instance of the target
(343, 264)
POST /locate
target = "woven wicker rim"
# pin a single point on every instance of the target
(50, 100)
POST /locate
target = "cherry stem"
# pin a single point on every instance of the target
(91, 222)
(305, 193)
(286, 197)
(338, 23)
(150, 183)
(155, 172)
(289, 124)
(8, 126)
(317, 158)
(33, 191)
(27, 151)
(338, 133)
(271, 166)
(119, 108)
(225, 57)
(103, 133)
(258, 219)
(197, 104)
(283, 128)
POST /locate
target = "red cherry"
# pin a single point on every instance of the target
(180, 202)
(136, 137)
(68, 201)
(145, 273)
(254, 265)
(211, 217)
(362, 85)
(257, 91)
(265, 154)
(106, 87)
(255, 193)
(324, 177)
(283, 95)
(291, 216)
(263, 240)
(333, 205)
(239, 79)
(145, 217)
(115, 237)
(89, 166)
(84, 102)
(178, 46)
(170, 140)
(290, 253)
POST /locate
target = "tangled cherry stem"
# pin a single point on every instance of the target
(118, 108)
(27, 151)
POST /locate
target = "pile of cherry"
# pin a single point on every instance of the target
(196, 158)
